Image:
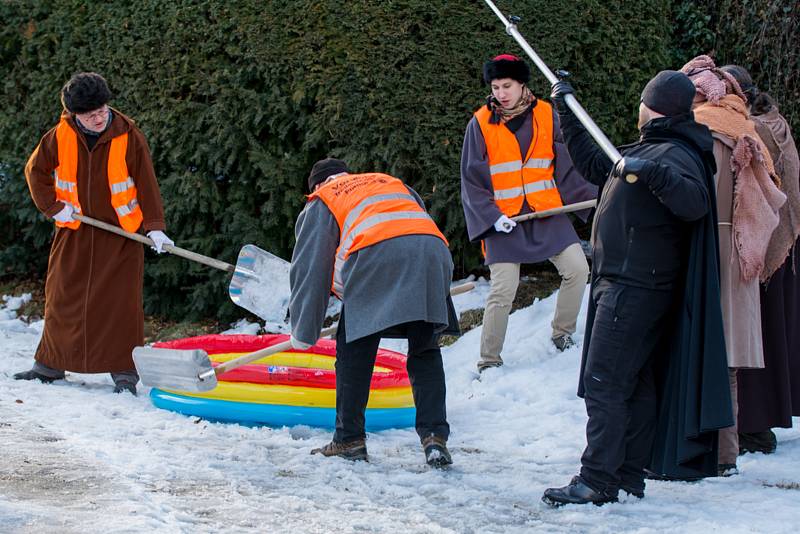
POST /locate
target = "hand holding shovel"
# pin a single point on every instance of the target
(191, 370)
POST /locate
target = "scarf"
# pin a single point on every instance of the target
(756, 197)
(776, 135)
(709, 81)
(503, 115)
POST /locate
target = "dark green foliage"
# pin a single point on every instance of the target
(763, 36)
(239, 98)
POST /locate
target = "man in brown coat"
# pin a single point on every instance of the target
(95, 162)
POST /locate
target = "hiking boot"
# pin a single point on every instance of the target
(727, 470)
(130, 387)
(33, 375)
(484, 365)
(436, 453)
(576, 492)
(564, 342)
(639, 494)
(765, 442)
(352, 450)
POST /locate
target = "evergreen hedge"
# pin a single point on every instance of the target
(239, 98)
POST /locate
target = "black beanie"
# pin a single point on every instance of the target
(670, 93)
(323, 169)
(506, 66)
(84, 92)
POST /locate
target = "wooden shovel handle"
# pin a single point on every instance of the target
(286, 345)
(183, 253)
(555, 211)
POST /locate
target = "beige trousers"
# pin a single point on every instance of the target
(729, 437)
(574, 270)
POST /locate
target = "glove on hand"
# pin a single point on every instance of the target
(504, 224)
(633, 169)
(559, 91)
(159, 240)
(65, 215)
(299, 345)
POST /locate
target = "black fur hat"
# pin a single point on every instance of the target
(506, 66)
(84, 92)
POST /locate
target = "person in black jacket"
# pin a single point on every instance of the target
(651, 204)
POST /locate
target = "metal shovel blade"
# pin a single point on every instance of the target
(174, 369)
(260, 284)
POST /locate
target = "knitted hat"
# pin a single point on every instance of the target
(669, 93)
(323, 169)
(85, 92)
(711, 83)
(506, 66)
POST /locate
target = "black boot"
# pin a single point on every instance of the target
(765, 442)
(33, 375)
(436, 453)
(121, 386)
(576, 492)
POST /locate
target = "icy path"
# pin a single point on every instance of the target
(77, 458)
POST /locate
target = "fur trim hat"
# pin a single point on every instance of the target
(84, 92)
(323, 169)
(506, 66)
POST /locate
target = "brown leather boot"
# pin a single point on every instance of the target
(436, 453)
(352, 450)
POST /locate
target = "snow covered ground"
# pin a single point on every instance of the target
(77, 458)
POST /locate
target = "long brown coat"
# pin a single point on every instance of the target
(93, 293)
(741, 307)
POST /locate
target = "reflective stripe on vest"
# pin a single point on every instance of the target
(514, 179)
(370, 208)
(121, 185)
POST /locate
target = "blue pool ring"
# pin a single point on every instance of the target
(276, 415)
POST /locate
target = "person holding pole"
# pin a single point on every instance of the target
(95, 162)
(654, 306)
(514, 162)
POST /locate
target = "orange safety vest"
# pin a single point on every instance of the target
(371, 208)
(514, 179)
(123, 190)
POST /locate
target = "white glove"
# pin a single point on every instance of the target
(65, 215)
(159, 240)
(299, 345)
(504, 224)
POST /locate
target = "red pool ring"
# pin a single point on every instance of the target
(287, 375)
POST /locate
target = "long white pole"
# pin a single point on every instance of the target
(598, 135)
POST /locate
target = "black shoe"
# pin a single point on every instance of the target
(576, 492)
(33, 375)
(483, 365)
(130, 387)
(727, 470)
(436, 453)
(352, 450)
(650, 475)
(639, 494)
(765, 442)
(564, 342)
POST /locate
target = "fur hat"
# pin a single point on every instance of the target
(506, 66)
(323, 169)
(84, 92)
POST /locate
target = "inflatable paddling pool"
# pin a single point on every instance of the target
(288, 388)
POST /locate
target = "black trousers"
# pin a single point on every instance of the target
(354, 365)
(620, 391)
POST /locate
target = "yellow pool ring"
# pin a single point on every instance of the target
(300, 396)
(292, 359)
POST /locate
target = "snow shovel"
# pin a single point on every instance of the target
(255, 275)
(598, 135)
(585, 205)
(191, 369)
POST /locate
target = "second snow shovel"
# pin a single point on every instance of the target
(191, 369)
(255, 276)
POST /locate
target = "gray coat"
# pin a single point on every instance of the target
(395, 281)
